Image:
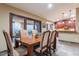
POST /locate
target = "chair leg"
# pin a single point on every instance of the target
(45, 53)
(49, 51)
(54, 50)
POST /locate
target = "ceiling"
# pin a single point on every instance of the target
(41, 9)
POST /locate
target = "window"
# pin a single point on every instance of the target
(18, 22)
(17, 25)
(30, 26)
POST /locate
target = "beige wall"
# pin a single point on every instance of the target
(71, 37)
(4, 20)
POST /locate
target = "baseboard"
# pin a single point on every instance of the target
(69, 41)
(3, 51)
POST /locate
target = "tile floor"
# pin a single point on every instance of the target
(63, 49)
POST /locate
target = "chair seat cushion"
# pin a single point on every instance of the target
(22, 50)
(39, 49)
(15, 53)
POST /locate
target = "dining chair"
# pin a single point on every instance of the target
(43, 49)
(35, 34)
(34, 31)
(23, 34)
(52, 41)
(10, 49)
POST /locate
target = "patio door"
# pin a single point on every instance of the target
(17, 25)
(18, 22)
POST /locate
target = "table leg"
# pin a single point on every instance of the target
(30, 50)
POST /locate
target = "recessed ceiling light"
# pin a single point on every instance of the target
(69, 22)
(50, 5)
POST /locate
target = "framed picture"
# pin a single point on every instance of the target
(67, 25)
(44, 25)
(51, 26)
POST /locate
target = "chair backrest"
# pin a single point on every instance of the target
(9, 43)
(34, 32)
(23, 34)
(53, 37)
(45, 40)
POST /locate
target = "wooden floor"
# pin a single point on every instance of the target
(63, 49)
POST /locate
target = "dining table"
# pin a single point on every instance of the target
(30, 43)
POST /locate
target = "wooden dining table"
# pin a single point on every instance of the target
(30, 43)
